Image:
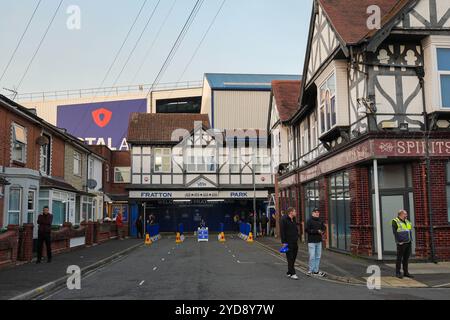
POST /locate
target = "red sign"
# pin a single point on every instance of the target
(411, 148)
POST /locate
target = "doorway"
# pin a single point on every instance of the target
(396, 193)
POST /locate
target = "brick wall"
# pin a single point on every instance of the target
(8, 246)
(324, 207)
(78, 181)
(58, 146)
(439, 207)
(361, 219)
(1, 212)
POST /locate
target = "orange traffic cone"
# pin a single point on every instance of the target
(250, 237)
(148, 241)
(178, 238)
(222, 237)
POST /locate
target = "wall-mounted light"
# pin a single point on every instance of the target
(404, 126)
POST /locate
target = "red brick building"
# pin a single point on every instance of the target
(116, 176)
(371, 134)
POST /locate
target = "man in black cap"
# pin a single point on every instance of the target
(315, 228)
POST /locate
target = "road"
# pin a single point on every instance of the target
(234, 270)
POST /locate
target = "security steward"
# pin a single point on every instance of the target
(289, 237)
(402, 229)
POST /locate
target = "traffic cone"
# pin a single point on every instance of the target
(178, 238)
(222, 237)
(250, 237)
(148, 241)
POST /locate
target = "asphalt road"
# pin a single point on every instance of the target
(234, 270)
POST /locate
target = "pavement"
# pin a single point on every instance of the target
(234, 270)
(353, 270)
(29, 279)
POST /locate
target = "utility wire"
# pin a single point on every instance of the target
(147, 53)
(177, 44)
(123, 44)
(201, 41)
(39, 46)
(20, 40)
(135, 45)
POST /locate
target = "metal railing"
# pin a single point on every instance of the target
(106, 91)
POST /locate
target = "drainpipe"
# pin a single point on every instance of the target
(377, 210)
(427, 131)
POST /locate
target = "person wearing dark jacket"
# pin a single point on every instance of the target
(139, 226)
(315, 228)
(44, 234)
(289, 237)
(402, 229)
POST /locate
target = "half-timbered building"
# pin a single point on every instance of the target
(371, 135)
(183, 171)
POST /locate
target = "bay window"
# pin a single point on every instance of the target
(327, 104)
(14, 207)
(443, 57)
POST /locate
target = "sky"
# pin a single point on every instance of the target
(248, 36)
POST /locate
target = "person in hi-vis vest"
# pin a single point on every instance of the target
(402, 229)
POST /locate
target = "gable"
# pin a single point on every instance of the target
(323, 43)
(427, 14)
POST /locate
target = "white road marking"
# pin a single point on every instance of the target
(442, 285)
(168, 252)
(234, 256)
(154, 269)
(142, 282)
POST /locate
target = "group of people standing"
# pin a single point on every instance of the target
(316, 229)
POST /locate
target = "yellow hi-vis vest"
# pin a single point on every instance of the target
(403, 230)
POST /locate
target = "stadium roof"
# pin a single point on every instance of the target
(251, 82)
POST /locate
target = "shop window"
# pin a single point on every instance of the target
(14, 207)
(163, 160)
(327, 105)
(19, 143)
(122, 175)
(312, 197)
(339, 216)
(448, 191)
(443, 56)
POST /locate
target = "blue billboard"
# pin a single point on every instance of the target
(104, 123)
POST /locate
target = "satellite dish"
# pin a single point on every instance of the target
(92, 184)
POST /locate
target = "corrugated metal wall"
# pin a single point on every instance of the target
(241, 109)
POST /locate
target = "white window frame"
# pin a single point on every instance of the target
(91, 165)
(202, 161)
(441, 73)
(77, 163)
(160, 153)
(19, 142)
(33, 210)
(19, 211)
(235, 160)
(120, 170)
(261, 161)
(328, 117)
(45, 156)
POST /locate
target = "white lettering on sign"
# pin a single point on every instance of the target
(239, 194)
(156, 195)
(106, 141)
